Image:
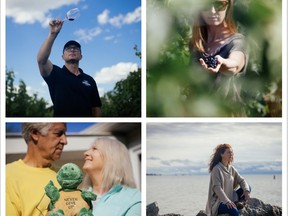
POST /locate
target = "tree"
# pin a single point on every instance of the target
(125, 99)
(20, 104)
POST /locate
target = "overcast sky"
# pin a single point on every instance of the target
(182, 145)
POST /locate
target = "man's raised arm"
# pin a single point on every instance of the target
(44, 64)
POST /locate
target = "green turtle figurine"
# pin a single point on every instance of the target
(69, 201)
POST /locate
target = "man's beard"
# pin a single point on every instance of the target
(72, 61)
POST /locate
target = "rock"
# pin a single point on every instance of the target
(201, 213)
(152, 210)
(171, 215)
(255, 207)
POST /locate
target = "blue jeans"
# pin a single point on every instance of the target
(223, 209)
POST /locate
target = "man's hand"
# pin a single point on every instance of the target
(55, 26)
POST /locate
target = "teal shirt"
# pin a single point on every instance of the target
(119, 201)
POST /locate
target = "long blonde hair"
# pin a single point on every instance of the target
(200, 33)
(117, 165)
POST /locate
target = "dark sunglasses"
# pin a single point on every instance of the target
(217, 5)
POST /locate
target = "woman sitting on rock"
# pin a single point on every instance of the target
(224, 195)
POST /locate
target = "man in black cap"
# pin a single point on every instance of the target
(73, 93)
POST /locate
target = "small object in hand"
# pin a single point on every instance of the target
(72, 14)
(239, 205)
(211, 61)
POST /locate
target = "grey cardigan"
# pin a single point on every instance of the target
(223, 182)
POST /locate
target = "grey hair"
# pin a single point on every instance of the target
(27, 128)
(117, 165)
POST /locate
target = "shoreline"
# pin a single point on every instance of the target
(253, 207)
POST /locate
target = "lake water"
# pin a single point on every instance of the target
(187, 195)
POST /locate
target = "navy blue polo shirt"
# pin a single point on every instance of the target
(72, 96)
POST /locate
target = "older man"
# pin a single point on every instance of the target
(27, 177)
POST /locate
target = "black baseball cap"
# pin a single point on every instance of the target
(70, 43)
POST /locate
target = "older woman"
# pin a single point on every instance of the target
(110, 177)
(218, 47)
(224, 181)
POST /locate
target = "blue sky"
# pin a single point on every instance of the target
(107, 31)
(72, 127)
(185, 148)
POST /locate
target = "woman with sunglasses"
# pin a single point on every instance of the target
(224, 195)
(217, 46)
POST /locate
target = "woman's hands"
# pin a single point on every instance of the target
(230, 205)
(246, 195)
(219, 60)
(227, 66)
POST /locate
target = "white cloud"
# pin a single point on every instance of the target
(170, 167)
(133, 17)
(103, 17)
(120, 20)
(101, 91)
(30, 11)
(115, 72)
(87, 34)
(117, 21)
(113, 38)
(250, 141)
(107, 38)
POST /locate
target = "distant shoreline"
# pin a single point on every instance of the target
(158, 174)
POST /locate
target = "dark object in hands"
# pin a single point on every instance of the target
(240, 205)
(211, 61)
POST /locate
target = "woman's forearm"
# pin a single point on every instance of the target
(233, 64)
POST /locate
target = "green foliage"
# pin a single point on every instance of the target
(20, 104)
(176, 88)
(125, 99)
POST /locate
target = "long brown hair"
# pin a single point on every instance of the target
(216, 156)
(200, 33)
